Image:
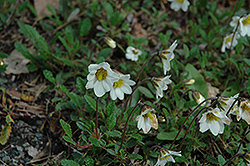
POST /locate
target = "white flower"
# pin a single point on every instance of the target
(198, 98)
(245, 25)
(160, 85)
(121, 86)
(214, 120)
(228, 40)
(234, 21)
(167, 56)
(101, 78)
(132, 53)
(147, 119)
(165, 156)
(179, 4)
(110, 42)
(244, 111)
(226, 102)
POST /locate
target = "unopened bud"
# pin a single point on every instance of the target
(110, 42)
(189, 81)
(198, 98)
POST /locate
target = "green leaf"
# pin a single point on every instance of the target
(76, 99)
(66, 162)
(111, 151)
(85, 26)
(200, 83)
(146, 92)
(3, 55)
(111, 121)
(108, 8)
(65, 44)
(80, 85)
(186, 51)
(66, 127)
(111, 108)
(34, 36)
(49, 76)
(169, 135)
(89, 161)
(104, 53)
(135, 156)
(24, 51)
(94, 141)
(221, 159)
(90, 101)
(5, 134)
(68, 139)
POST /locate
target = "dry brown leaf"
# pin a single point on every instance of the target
(16, 62)
(42, 9)
(17, 95)
(138, 31)
(28, 108)
(212, 91)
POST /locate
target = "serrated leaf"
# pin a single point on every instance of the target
(221, 160)
(111, 151)
(111, 108)
(169, 135)
(85, 26)
(5, 134)
(104, 53)
(73, 14)
(90, 101)
(111, 121)
(135, 156)
(65, 44)
(66, 127)
(76, 99)
(89, 161)
(66, 162)
(24, 51)
(68, 139)
(94, 141)
(146, 92)
(80, 85)
(49, 76)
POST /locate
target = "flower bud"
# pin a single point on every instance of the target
(198, 98)
(189, 81)
(110, 42)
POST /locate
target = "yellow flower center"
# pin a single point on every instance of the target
(211, 116)
(165, 158)
(245, 107)
(101, 74)
(118, 84)
(180, 1)
(246, 21)
(229, 39)
(135, 51)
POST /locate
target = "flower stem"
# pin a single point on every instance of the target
(210, 150)
(230, 49)
(130, 96)
(152, 55)
(96, 114)
(190, 126)
(211, 98)
(126, 124)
